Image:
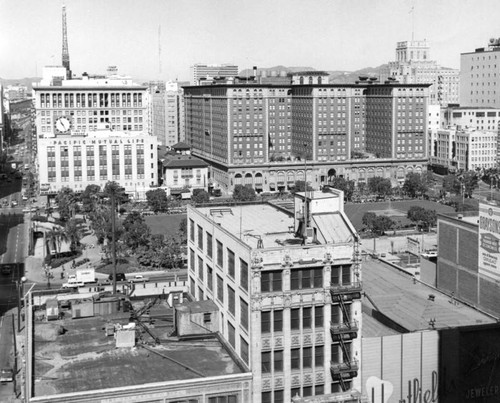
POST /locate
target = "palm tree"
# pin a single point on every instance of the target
(73, 233)
(55, 237)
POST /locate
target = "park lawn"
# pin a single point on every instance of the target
(166, 224)
(355, 211)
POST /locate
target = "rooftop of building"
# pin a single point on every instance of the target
(266, 225)
(254, 222)
(84, 358)
(467, 108)
(392, 84)
(408, 305)
(181, 146)
(470, 217)
(183, 161)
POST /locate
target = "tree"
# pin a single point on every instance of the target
(55, 237)
(183, 230)
(347, 186)
(470, 181)
(73, 234)
(368, 219)
(200, 196)
(244, 193)
(157, 200)
(66, 202)
(300, 186)
(414, 185)
(89, 197)
(382, 223)
(136, 232)
(113, 188)
(452, 184)
(380, 186)
(422, 217)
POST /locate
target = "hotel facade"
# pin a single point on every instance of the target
(268, 136)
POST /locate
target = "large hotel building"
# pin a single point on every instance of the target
(91, 131)
(267, 135)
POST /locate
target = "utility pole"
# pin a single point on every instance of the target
(113, 230)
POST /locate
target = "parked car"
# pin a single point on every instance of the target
(119, 277)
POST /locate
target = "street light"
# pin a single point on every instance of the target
(19, 284)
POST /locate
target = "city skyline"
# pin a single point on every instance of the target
(326, 35)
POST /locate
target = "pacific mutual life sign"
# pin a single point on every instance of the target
(489, 241)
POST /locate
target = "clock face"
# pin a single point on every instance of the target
(63, 125)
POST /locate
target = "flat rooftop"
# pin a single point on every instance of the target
(250, 223)
(84, 358)
(395, 295)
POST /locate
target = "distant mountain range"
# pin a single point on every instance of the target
(336, 76)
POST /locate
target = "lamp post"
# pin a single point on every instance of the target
(19, 284)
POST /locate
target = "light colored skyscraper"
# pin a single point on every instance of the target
(413, 66)
(200, 72)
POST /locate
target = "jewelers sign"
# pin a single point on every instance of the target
(489, 241)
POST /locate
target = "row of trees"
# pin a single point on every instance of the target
(379, 224)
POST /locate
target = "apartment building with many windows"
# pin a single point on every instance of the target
(288, 289)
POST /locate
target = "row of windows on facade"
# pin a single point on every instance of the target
(83, 100)
(91, 113)
(304, 357)
(277, 396)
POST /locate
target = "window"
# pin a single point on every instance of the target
(295, 358)
(295, 318)
(244, 349)
(200, 268)
(210, 275)
(231, 333)
(318, 356)
(230, 262)
(220, 261)
(318, 316)
(266, 397)
(244, 314)
(266, 362)
(244, 274)
(191, 229)
(307, 357)
(265, 322)
(230, 300)
(306, 278)
(220, 288)
(191, 260)
(209, 245)
(200, 237)
(306, 318)
(278, 321)
(207, 318)
(223, 399)
(279, 396)
(271, 281)
(278, 361)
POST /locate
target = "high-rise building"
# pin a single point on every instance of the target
(413, 66)
(268, 135)
(2, 119)
(166, 114)
(93, 130)
(288, 289)
(480, 76)
(201, 72)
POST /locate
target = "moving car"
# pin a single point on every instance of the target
(119, 277)
(138, 278)
(6, 375)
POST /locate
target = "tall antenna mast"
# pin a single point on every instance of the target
(159, 49)
(65, 52)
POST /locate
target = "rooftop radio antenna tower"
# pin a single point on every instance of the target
(159, 49)
(65, 52)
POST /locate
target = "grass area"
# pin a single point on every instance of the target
(395, 210)
(166, 224)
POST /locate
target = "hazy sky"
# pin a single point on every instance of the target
(323, 34)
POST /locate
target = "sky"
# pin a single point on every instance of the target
(322, 34)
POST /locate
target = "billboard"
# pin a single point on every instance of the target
(468, 364)
(489, 241)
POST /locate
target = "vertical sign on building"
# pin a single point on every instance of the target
(489, 241)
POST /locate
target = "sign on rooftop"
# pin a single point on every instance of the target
(489, 241)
